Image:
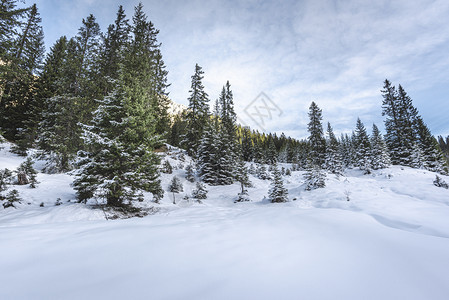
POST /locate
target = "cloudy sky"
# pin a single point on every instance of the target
(336, 53)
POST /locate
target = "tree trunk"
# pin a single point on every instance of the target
(22, 179)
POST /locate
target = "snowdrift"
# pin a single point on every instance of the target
(389, 241)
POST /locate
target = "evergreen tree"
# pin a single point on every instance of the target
(167, 167)
(444, 146)
(10, 21)
(439, 182)
(144, 70)
(316, 137)
(5, 179)
(433, 157)
(200, 192)
(87, 52)
(21, 65)
(28, 170)
(379, 151)
(271, 153)
(261, 172)
(208, 155)
(112, 51)
(175, 187)
(400, 116)
(242, 176)
(227, 138)
(333, 160)
(362, 147)
(60, 133)
(120, 161)
(11, 199)
(277, 193)
(217, 153)
(190, 175)
(247, 145)
(346, 150)
(418, 160)
(314, 176)
(197, 113)
(177, 130)
(252, 169)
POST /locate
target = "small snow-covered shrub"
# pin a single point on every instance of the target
(167, 167)
(439, 182)
(58, 202)
(11, 199)
(200, 192)
(5, 179)
(27, 174)
(243, 197)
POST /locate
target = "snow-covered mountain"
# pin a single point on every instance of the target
(175, 108)
(389, 241)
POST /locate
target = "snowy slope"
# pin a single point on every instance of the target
(390, 241)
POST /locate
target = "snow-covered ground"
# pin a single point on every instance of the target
(390, 241)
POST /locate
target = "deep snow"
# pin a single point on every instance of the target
(390, 241)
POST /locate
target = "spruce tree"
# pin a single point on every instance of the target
(247, 145)
(362, 148)
(175, 187)
(60, 133)
(197, 113)
(433, 156)
(5, 179)
(242, 176)
(112, 51)
(22, 62)
(11, 199)
(190, 175)
(271, 153)
(167, 167)
(146, 77)
(208, 155)
(28, 170)
(400, 114)
(333, 161)
(10, 21)
(439, 182)
(261, 172)
(316, 137)
(200, 192)
(120, 162)
(277, 193)
(87, 52)
(380, 158)
(315, 176)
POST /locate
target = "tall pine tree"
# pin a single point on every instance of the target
(197, 112)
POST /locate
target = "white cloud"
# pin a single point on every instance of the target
(336, 53)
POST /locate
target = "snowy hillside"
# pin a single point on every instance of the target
(389, 241)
